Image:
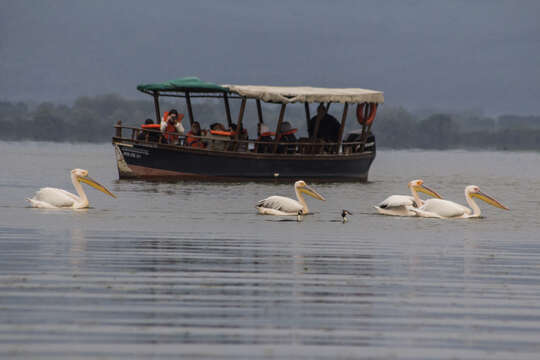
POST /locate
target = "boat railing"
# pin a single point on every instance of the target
(232, 144)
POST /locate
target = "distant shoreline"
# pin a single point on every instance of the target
(92, 119)
(380, 148)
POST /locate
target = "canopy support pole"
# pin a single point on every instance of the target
(308, 116)
(156, 106)
(369, 116)
(342, 127)
(317, 124)
(363, 137)
(239, 124)
(227, 109)
(259, 111)
(240, 119)
(190, 109)
(280, 120)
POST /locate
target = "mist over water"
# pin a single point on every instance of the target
(446, 55)
(188, 269)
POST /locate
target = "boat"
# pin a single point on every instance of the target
(145, 153)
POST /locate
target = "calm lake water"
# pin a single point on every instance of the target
(188, 270)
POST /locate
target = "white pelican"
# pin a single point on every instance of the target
(401, 205)
(53, 198)
(281, 205)
(439, 208)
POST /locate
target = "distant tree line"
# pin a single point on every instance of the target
(397, 128)
(91, 119)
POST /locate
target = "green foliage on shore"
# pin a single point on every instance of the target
(91, 119)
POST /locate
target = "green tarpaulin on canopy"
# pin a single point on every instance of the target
(183, 84)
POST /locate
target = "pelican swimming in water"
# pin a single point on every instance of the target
(283, 206)
(53, 198)
(402, 205)
(439, 208)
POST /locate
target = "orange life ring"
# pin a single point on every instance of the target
(366, 114)
(151, 126)
(372, 113)
(360, 113)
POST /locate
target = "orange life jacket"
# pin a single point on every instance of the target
(267, 133)
(292, 131)
(193, 141)
(222, 132)
(171, 138)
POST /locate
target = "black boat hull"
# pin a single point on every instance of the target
(153, 161)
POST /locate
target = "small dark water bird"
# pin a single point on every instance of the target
(344, 214)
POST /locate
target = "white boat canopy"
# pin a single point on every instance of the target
(292, 94)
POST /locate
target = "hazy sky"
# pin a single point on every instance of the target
(482, 55)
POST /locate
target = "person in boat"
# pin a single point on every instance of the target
(234, 127)
(355, 136)
(217, 127)
(328, 126)
(240, 146)
(146, 135)
(142, 134)
(171, 126)
(193, 136)
(264, 135)
(286, 134)
(219, 137)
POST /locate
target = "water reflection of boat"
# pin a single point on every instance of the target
(347, 158)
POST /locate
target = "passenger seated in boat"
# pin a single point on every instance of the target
(355, 136)
(217, 127)
(146, 135)
(328, 126)
(238, 146)
(286, 134)
(193, 136)
(219, 137)
(171, 126)
(264, 135)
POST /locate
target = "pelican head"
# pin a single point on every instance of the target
(344, 214)
(81, 175)
(474, 191)
(418, 185)
(301, 186)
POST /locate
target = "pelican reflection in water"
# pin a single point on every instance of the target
(284, 206)
(53, 198)
(438, 208)
(402, 205)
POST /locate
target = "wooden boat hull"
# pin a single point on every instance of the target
(158, 161)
